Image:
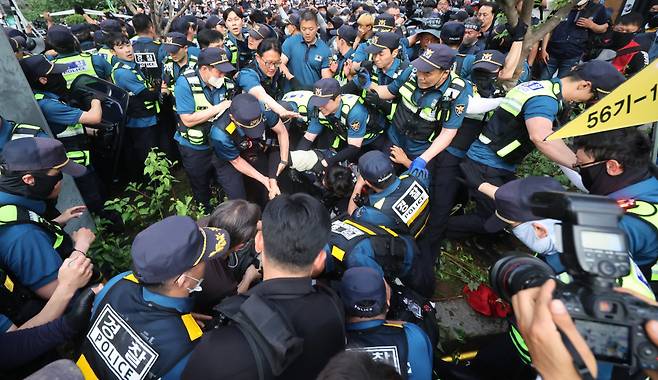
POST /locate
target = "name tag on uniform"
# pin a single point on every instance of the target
(345, 230)
(76, 67)
(410, 203)
(122, 350)
(385, 354)
(530, 86)
(146, 60)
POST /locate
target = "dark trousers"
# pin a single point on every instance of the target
(167, 124)
(444, 169)
(230, 179)
(137, 143)
(421, 277)
(462, 226)
(91, 190)
(198, 165)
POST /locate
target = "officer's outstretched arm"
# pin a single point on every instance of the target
(538, 129)
(241, 165)
(439, 144)
(284, 145)
(382, 91)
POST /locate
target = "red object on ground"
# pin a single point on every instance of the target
(486, 302)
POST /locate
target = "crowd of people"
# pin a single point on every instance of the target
(346, 141)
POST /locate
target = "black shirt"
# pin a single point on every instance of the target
(225, 354)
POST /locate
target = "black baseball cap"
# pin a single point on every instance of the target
(260, 32)
(182, 23)
(489, 60)
(473, 23)
(324, 90)
(215, 57)
(452, 32)
(59, 35)
(174, 41)
(376, 167)
(381, 41)
(246, 113)
(460, 15)
(212, 21)
(513, 201)
(363, 292)
(294, 19)
(172, 246)
(435, 57)
(110, 25)
(337, 22)
(603, 76)
(39, 153)
(345, 32)
(384, 23)
(37, 66)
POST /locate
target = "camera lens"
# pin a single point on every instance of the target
(517, 272)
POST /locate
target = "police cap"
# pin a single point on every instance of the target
(212, 21)
(376, 168)
(452, 32)
(435, 57)
(323, 91)
(39, 153)
(110, 25)
(489, 60)
(37, 66)
(215, 57)
(603, 76)
(174, 41)
(363, 292)
(384, 23)
(172, 246)
(513, 201)
(245, 111)
(59, 35)
(345, 32)
(381, 41)
(260, 32)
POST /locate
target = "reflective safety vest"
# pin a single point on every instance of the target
(131, 338)
(506, 133)
(233, 50)
(17, 302)
(374, 78)
(107, 55)
(15, 214)
(137, 107)
(198, 134)
(76, 65)
(425, 123)
(74, 140)
(168, 68)
(385, 343)
(20, 131)
(300, 98)
(648, 213)
(146, 56)
(348, 102)
(407, 205)
(388, 247)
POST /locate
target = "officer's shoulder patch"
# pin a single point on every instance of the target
(459, 109)
(531, 86)
(355, 126)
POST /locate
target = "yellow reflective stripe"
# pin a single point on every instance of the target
(85, 368)
(418, 212)
(390, 231)
(8, 214)
(484, 139)
(399, 325)
(507, 149)
(193, 329)
(520, 345)
(362, 228)
(337, 253)
(9, 284)
(79, 156)
(131, 277)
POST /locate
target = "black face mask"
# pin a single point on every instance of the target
(57, 85)
(597, 180)
(653, 20)
(620, 39)
(43, 185)
(484, 81)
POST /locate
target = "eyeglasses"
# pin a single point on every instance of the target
(578, 167)
(270, 64)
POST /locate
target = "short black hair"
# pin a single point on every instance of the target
(628, 146)
(115, 39)
(492, 5)
(142, 23)
(339, 181)
(238, 217)
(348, 365)
(235, 10)
(207, 36)
(308, 15)
(257, 16)
(632, 18)
(295, 229)
(267, 45)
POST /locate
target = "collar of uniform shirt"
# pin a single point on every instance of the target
(309, 44)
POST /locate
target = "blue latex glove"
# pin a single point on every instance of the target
(362, 79)
(417, 168)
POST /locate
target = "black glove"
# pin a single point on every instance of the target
(517, 32)
(472, 174)
(372, 98)
(318, 168)
(79, 314)
(78, 9)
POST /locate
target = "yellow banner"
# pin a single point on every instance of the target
(632, 103)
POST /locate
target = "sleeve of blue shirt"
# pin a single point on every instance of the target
(641, 240)
(248, 79)
(326, 53)
(314, 125)
(360, 54)
(5, 323)
(286, 48)
(223, 145)
(357, 115)
(420, 352)
(271, 118)
(540, 106)
(467, 66)
(176, 372)
(58, 113)
(127, 80)
(184, 97)
(394, 87)
(101, 66)
(31, 257)
(362, 255)
(456, 118)
(425, 181)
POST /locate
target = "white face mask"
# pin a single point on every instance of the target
(197, 288)
(525, 232)
(216, 82)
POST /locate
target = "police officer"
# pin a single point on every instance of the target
(141, 323)
(32, 242)
(181, 54)
(432, 104)
(141, 133)
(109, 28)
(309, 317)
(383, 48)
(67, 123)
(521, 123)
(66, 46)
(383, 23)
(346, 121)
(251, 141)
(345, 37)
(10, 130)
(201, 93)
(236, 38)
(147, 50)
(402, 345)
(400, 203)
